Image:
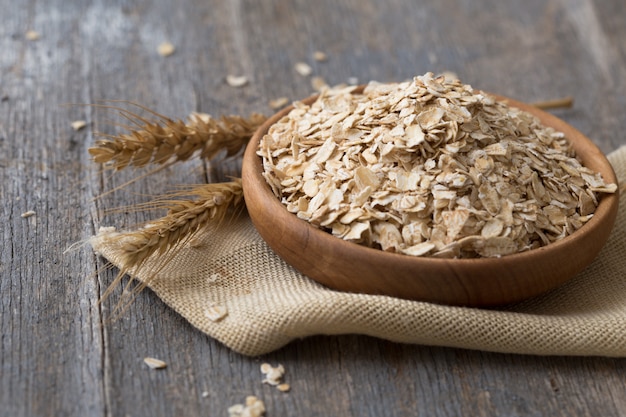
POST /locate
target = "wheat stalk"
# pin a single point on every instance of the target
(184, 218)
(165, 235)
(163, 140)
(564, 102)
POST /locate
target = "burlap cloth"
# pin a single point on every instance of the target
(269, 304)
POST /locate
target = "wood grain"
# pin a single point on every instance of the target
(60, 351)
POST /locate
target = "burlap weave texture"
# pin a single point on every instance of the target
(269, 304)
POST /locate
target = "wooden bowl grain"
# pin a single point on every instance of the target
(350, 267)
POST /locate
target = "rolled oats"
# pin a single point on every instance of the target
(283, 387)
(303, 69)
(320, 56)
(253, 407)
(278, 103)
(318, 83)
(215, 312)
(32, 35)
(236, 80)
(154, 363)
(273, 375)
(27, 214)
(428, 167)
(78, 124)
(166, 49)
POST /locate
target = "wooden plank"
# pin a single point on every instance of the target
(60, 351)
(51, 335)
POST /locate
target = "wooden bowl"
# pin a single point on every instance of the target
(348, 266)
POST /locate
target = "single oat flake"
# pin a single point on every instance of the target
(278, 103)
(154, 363)
(78, 124)
(319, 56)
(215, 312)
(236, 80)
(318, 83)
(283, 387)
(27, 214)
(166, 49)
(303, 69)
(428, 167)
(32, 35)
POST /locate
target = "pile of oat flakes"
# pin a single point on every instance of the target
(428, 167)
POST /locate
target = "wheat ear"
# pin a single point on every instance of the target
(183, 219)
(164, 139)
(163, 236)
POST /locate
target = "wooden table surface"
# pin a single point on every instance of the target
(61, 354)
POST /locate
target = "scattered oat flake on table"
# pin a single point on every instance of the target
(215, 312)
(78, 124)
(318, 83)
(32, 35)
(273, 375)
(154, 363)
(278, 103)
(283, 387)
(27, 214)
(166, 49)
(319, 56)
(236, 80)
(303, 69)
(253, 407)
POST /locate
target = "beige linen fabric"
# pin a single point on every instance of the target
(269, 304)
